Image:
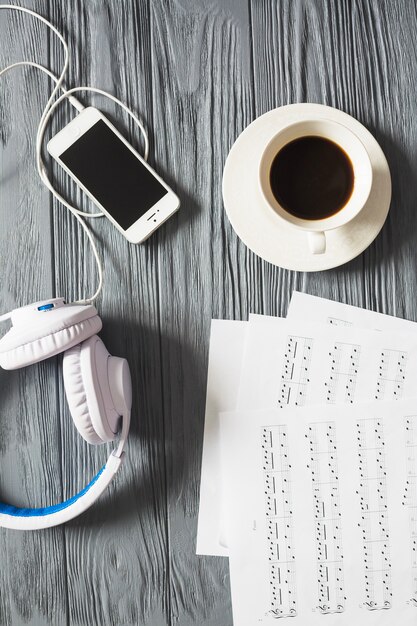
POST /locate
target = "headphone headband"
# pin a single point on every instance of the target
(17, 518)
(97, 384)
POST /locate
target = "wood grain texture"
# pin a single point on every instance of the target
(197, 51)
(33, 581)
(197, 71)
(117, 554)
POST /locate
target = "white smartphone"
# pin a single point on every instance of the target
(116, 178)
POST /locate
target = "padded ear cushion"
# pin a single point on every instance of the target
(25, 345)
(86, 379)
(76, 395)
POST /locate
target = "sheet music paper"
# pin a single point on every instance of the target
(323, 526)
(292, 363)
(345, 369)
(227, 341)
(321, 311)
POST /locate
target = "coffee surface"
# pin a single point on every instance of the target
(312, 178)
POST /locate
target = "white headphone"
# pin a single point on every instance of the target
(97, 385)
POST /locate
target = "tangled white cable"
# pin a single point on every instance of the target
(45, 117)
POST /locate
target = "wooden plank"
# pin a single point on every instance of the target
(33, 582)
(202, 100)
(117, 552)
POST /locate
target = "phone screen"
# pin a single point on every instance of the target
(113, 174)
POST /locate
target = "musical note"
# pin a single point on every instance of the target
(334, 321)
(391, 375)
(344, 365)
(410, 496)
(295, 372)
(278, 512)
(327, 513)
(374, 525)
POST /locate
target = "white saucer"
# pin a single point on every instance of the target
(271, 237)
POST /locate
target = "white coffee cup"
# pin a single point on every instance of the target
(362, 171)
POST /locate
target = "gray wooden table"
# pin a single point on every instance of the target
(197, 72)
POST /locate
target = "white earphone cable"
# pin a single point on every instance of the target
(45, 117)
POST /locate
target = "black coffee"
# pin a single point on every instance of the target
(312, 178)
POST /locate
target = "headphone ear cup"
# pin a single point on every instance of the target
(86, 380)
(76, 395)
(31, 341)
(120, 383)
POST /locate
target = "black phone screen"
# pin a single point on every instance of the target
(113, 174)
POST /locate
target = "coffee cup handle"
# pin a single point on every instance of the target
(317, 242)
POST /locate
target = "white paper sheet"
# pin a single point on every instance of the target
(227, 341)
(336, 313)
(289, 362)
(324, 525)
(334, 365)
